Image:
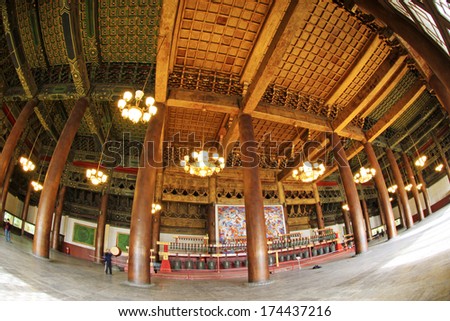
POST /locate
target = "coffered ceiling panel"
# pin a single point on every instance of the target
(128, 30)
(322, 52)
(219, 36)
(52, 32)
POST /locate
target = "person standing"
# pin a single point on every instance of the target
(108, 261)
(8, 231)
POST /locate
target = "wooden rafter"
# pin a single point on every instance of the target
(383, 78)
(396, 111)
(166, 28)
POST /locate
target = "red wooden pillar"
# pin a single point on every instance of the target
(400, 208)
(4, 190)
(156, 230)
(14, 136)
(258, 258)
(211, 221)
(141, 213)
(426, 197)
(383, 194)
(348, 227)
(366, 219)
(356, 215)
(320, 220)
(403, 197)
(58, 216)
(26, 206)
(412, 181)
(101, 224)
(49, 191)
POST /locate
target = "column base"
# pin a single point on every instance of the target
(259, 283)
(138, 285)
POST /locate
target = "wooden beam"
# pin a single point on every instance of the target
(303, 119)
(374, 88)
(165, 38)
(396, 111)
(203, 101)
(357, 67)
(267, 33)
(295, 16)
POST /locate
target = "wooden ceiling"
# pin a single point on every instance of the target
(298, 67)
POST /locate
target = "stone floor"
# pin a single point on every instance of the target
(413, 266)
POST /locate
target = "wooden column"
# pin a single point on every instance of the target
(47, 200)
(414, 190)
(356, 215)
(101, 224)
(383, 194)
(442, 154)
(26, 205)
(400, 208)
(156, 230)
(258, 258)
(141, 217)
(426, 197)
(320, 220)
(382, 216)
(211, 221)
(58, 216)
(366, 219)
(13, 138)
(4, 190)
(282, 198)
(348, 227)
(402, 196)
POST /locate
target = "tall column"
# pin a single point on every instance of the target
(402, 196)
(442, 154)
(282, 198)
(366, 219)
(101, 224)
(348, 227)
(4, 191)
(356, 215)
(26, 205)
(144, 195)
(400, 208)
(320, 220)
(412, 180)
(211, 221)
(47, 200)
(14, 136)
(383, 194)
(426, 197)
(258, 258)
(156, 230)
(58, 216)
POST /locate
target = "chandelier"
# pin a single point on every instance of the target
(308, 172)
(419, 186)
(96, 176)
(421, 159)
(202, 163)
(392, 189)
(36, 186)
(135, 109)
(155, 208)
(439, 167)
(345, 207)
(364, 175)
(420, 162)
(408, 187)
(27, 164)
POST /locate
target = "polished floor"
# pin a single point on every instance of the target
(413, 266)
